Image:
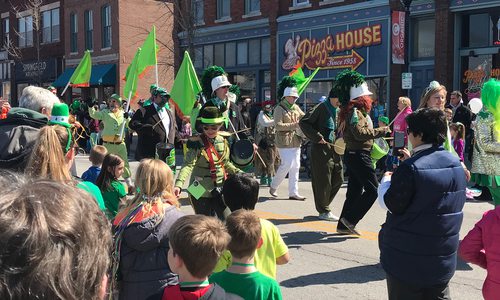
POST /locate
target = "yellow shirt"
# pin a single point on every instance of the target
(272, 247)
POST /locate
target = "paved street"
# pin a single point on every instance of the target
(327, 266)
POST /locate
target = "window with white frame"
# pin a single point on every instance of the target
(89, 29)
(106, 26)
(73, 32)
(25, 29)
(223, 9)
(50, 26)
(5, 33)
(252, 6)
(300, 2)
(198, 11)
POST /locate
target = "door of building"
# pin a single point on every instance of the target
(422, 76)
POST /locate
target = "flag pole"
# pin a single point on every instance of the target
(65, 88)
(122, 128)
(156, 71)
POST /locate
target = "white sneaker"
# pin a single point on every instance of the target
(273, 192)
(328, 217)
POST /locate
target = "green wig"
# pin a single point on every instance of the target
(343, 83)
(287, 81)
(490, 96)
(206, 79)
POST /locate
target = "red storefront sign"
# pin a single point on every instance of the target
(398, 37)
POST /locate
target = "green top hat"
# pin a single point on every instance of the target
(60, 115)
(117, 98)
(384, 119)
(161, 92)
(152, 88)
(211, 115)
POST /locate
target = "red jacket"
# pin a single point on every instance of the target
(481, 246)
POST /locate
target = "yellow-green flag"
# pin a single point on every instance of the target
(186, 86)
(81, 75)
(133, 74)
(302, 80)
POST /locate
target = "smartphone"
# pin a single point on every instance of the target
(399, 142)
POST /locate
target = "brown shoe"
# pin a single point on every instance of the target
(351, 228)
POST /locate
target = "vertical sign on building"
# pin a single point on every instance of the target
(398, 37)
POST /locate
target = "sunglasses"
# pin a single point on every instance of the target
(211, 127)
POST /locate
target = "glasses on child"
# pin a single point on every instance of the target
(211, 127)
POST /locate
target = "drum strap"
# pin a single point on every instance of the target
(209, 147)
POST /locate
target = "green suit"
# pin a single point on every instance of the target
(326, 165)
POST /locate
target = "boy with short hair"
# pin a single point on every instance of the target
(196, 242)
(242, 191)
(96, 157)
(242, 278)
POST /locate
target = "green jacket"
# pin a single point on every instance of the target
(112, 123)
(197, 165)
(314, 124)
(359, 135)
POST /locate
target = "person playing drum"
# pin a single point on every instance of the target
(207, 162)
(359, 133)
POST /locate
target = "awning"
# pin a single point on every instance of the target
(101, 75)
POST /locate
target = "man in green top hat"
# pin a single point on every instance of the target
(114, 120)
(319, 126)
(152, 89)
(154, 124)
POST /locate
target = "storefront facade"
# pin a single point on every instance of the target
(5, 75)
(349, 37)
(242, 49)
(33, 72)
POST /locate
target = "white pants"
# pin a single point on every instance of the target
(290, 163)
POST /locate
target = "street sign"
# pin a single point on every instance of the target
(406, 81)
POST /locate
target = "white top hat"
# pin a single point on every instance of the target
(218, 82)
(358, 91)
(291, 91)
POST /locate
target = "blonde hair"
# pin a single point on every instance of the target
(97, 154)
(434, 87)
(200, 241)
(405, 101)
(155, 182)
(48, 159)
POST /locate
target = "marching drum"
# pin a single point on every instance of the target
(242, 153)
(380, 149)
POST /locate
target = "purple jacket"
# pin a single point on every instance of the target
(481, 246)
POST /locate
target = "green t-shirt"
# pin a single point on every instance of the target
(250, 286)
(112, 197)
(94, 191)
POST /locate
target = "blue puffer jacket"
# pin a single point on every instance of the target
(418, 245)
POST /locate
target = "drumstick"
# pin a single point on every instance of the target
(333, 145)
(396, 116)
(238, 138)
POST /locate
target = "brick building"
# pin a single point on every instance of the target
(257, 42)
(29, 56)
(112, 31)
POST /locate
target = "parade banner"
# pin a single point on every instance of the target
(398, 37)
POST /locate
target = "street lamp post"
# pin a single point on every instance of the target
(407, 4)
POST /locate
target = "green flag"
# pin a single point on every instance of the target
(302, 81)
(148, 56)
(186, 86)
(131, 83)
(81, 76)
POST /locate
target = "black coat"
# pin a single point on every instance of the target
(142, 122)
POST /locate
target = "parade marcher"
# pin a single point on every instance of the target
(152, 89)
(265, 134)
(288, 141)
(486, 158)
(113, 139)
(358, 133)
(19, 131)
(154, 124)
(424, 198)
(207, 164)
(319, 126)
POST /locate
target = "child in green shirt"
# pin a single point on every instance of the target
(242, 278)
(113, 191)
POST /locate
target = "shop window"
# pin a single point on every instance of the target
(423, 38)
(106, 26)
(230, 54)
(50, 26)
(481, 30)
(5, 33)
(198, 12)
(25, 27)
(89, 29)
(242, 53)
(252, 6)
(254, 53)
(73, 24)
(265, 51)
(208, 55)
(247, 83)
(219, 55)
(300, 2)
(223, 9)
(476, 70)
(198, 58)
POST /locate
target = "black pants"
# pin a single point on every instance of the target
(399, 290)
(361, 186)
(211, 207)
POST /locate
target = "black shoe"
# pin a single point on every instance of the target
(351, 228)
